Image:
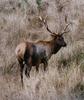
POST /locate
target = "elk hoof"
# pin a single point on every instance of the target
(27, 75)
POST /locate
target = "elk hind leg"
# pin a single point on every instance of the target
(27, 70)
(28, 67)
(21, 72)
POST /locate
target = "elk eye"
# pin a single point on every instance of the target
(60, 38)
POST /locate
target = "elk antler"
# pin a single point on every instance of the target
(65, 29)
(45, 23)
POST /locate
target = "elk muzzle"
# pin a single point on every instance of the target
(64, 44)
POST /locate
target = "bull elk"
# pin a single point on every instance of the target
(34, 53)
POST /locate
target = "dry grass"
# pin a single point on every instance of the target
(64, 79)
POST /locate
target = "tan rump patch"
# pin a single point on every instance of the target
(20, 50)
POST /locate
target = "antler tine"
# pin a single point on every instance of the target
(40, 18)
(65, 29)
(45, 23)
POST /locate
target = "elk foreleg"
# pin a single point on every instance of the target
(45, 62)
(45, 65)
(37, 67)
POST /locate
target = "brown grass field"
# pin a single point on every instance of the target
(64, 79)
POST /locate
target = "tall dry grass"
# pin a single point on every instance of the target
(64, 79)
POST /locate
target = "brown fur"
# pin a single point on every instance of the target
(34, 53)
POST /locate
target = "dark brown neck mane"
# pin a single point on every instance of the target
(55, 47)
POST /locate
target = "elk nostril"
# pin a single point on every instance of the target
(64, 44)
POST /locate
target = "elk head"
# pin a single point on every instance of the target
(58, 38)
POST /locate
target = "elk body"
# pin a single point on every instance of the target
(34, 53)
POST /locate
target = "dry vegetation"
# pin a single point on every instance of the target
(64, 79)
